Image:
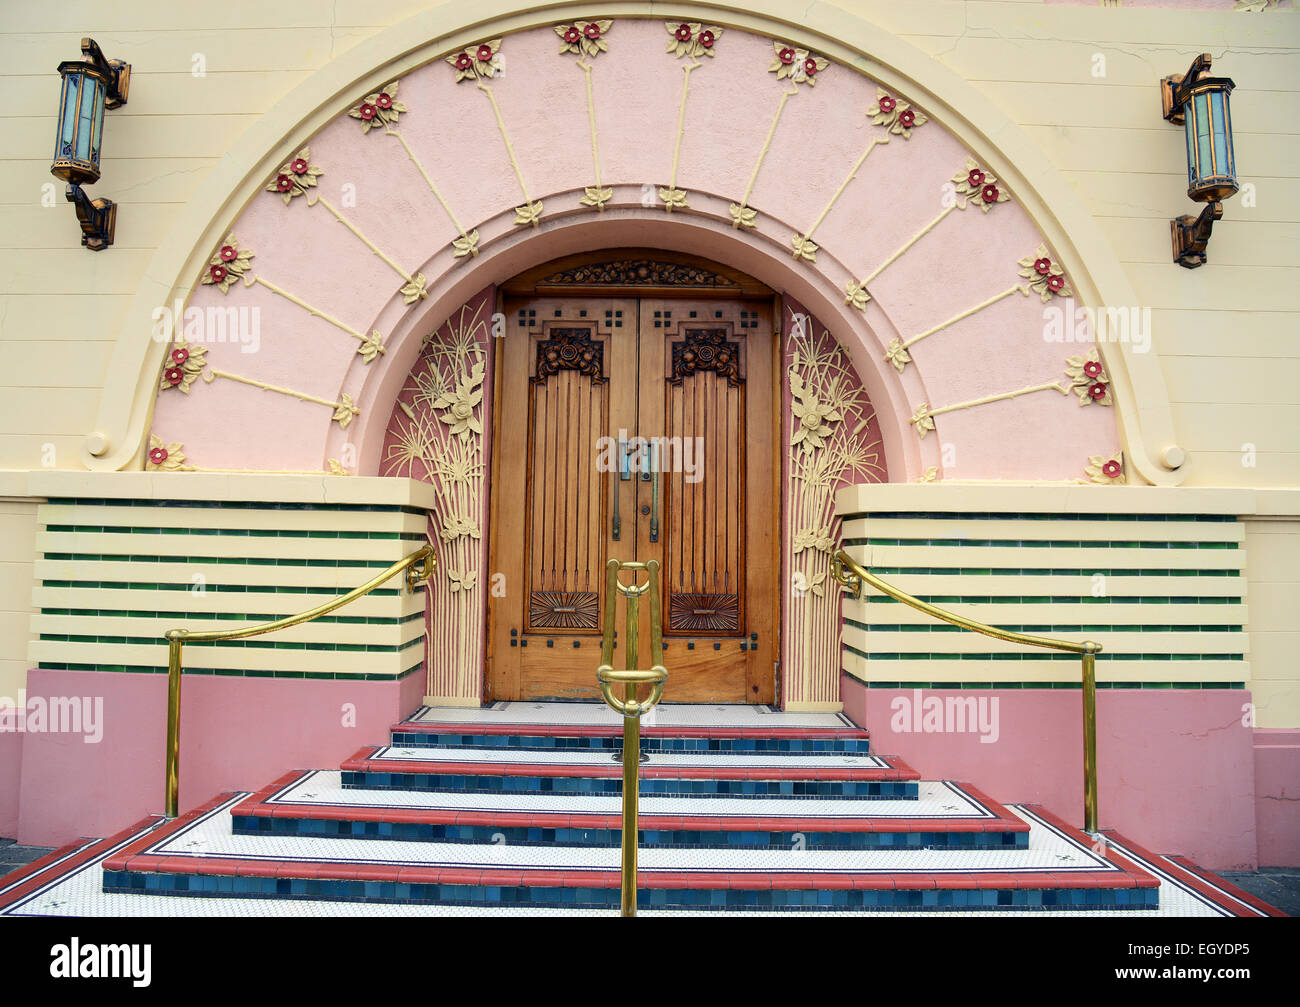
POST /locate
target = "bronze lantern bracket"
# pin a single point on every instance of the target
(1191, 234)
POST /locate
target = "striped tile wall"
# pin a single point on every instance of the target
(112, 575)
(1163, 593)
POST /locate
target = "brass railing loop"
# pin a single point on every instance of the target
(630, 707)
(415, 576)
(852, 576)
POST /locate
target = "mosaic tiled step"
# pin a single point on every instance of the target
(609, 738)
(864, 777)
(197, 855)
(945, 816)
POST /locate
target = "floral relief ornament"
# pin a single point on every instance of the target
(797, 65)
(378, 109)
(815, 417)
(296, 176)
(690, 38)
(979, 187)
(163, 457)
(184, 363)
(1046, 278)
(1089, 380)
(896, 115)
(227, 265)
(478, 61)
(1107, 471)
(462, 403)
(584, 38)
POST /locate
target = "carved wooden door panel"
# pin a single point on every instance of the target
(634, 430)
(706, 389)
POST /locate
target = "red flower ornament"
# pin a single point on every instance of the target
(283, 183)
(707, 39)
(180, 355)
(592, 30)
(887, 104)
(174, 375)
(463, 62)
(975, 177)
(1042, 266)
(1097, 390)
(572, 35)
(367, 111)
(1055, 283)
(158, 455)
(786, 55)
(907, 118)
(683, 33)
(228, 253)
(1092, 368)
(385, 100)
(218, 273)
(1112, 469)
(989, 194)
(298, 166)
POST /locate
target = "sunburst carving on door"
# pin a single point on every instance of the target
(704, 613)
(570, 349)
(706, 350)
(563, 610)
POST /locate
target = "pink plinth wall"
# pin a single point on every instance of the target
(1177, 766)
(11, 765)
(1277, 796)
(236, 734)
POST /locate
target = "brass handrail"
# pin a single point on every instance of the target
(851, 575)
(177, 638)
(631, 708)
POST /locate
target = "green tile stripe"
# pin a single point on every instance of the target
(332, 564)
(943, 627)
(950, 571)
(238, 673)
(1051, 685)
(1039, 543)
(251, 617)
(1060, 599)
(149, 641)
(384, 536)
(1003, 516)
(126, 585)
(1037, 655)
(237, 505)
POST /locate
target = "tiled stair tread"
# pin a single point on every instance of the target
(515, 728)
(202, 842)
(592, 765)
(603, 760)
(665, 715)
(944, 807)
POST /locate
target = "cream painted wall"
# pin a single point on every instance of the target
(1224, 332)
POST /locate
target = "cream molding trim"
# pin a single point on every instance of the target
(1144, 415)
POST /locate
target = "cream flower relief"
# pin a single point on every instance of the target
(814, 417)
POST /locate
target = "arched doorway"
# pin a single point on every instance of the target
(636, 419)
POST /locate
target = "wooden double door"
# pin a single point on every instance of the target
(635, 428)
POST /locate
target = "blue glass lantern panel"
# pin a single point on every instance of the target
(1204, 155)
(91, 101)
(68, 115)
(1223, 159)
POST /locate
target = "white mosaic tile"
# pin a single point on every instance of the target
(664, 715)
(703, 760)
(937, 800)
(211, 836)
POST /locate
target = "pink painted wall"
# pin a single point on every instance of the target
(1175, 765)
(236, 734)
(11, 767)
(1277, 796)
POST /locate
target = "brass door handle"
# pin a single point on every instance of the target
(654, 493)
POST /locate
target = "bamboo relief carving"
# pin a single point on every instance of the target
(436, 435)
(834, 440)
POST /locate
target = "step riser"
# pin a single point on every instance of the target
(256, 825)
(508, 896)
(460, 783)
(614, 745)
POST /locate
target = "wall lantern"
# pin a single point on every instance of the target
(1199, 104)
(90, 85)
